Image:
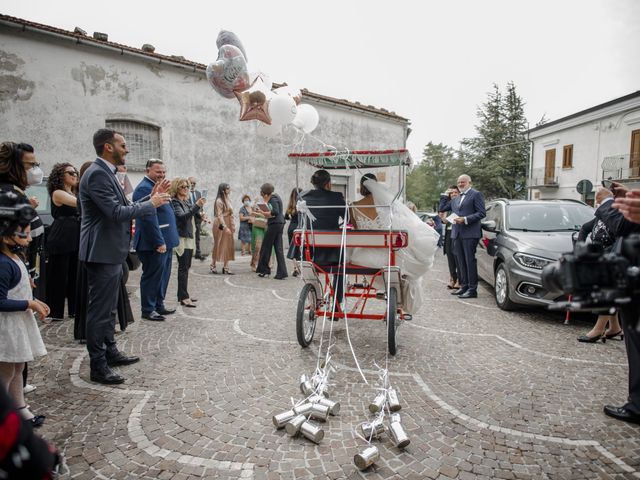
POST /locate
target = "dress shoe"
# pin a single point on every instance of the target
(121, 359)
(153, 316)
(594, 339)
(612, 336)
(621, 413)
(37, 421)
(279, 278)
(193, 299)
(187, 303)
(468, 294)
(106, 376)
(166, 311)
(458, 292)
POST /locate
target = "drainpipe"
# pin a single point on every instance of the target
(530, 165)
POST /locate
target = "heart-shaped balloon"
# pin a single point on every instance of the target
(253, 102)
(226, 37)
(229, 73)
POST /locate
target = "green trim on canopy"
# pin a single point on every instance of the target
(355, 159)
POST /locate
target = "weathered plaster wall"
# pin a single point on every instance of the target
(55, 94)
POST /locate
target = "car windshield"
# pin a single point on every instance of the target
(550, 217)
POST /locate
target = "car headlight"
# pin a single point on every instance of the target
(531, 261)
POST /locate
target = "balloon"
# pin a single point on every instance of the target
(307, 118)
(229, 73)
(291, 91)
(226, 37)
(253, 103)
(282, 109)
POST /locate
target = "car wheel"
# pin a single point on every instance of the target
(501, 289)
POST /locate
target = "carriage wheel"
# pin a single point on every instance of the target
(392, 319)
(306, 315)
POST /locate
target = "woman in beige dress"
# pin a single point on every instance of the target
(223, 228)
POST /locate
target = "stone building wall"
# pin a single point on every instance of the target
(55, 93)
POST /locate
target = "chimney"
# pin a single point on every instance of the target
(103, 37)
(147, 47)
(79, 31)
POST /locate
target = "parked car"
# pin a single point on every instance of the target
(520, 237)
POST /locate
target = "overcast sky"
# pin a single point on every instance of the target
(430, 61)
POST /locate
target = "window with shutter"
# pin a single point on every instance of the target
(567, 156)
(143, 142)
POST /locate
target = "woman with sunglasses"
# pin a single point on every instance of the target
(62, 242)
(185, 221)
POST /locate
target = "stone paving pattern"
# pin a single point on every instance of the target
(484, 393)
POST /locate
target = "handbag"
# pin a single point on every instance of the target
(260, 222)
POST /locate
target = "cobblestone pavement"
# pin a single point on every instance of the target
(484, 393)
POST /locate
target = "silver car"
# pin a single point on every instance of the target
(520, 237)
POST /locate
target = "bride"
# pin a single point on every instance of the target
(381, 210)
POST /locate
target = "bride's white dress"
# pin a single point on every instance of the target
(415, 259)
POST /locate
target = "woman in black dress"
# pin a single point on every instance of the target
(63, 241)
(292, 215)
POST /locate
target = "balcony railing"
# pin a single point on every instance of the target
(621, 167)
(542, 177)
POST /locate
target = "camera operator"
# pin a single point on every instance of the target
(622, 218)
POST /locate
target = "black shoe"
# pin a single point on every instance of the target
(458, 292)
(262, 275)
(621, 413)
(106, 376)
(121, 359)
(468, 294)
(587, 339)
(37, 421)
(166, 311)
(612, 336)
(280, 278)
(153, 316)
(193, 299)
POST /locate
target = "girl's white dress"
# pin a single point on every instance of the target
(20, 339)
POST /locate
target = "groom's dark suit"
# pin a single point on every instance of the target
(105, 235)
(466, 236)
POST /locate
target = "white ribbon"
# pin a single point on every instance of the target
(302, 207)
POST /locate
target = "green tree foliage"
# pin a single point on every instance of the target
(498, 156)
(439, 168)
(496, 159)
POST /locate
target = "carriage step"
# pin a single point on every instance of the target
(360, 285)
(381, 295)
(408, 317)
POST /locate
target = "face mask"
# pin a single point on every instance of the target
(247, 203)
(34, 176)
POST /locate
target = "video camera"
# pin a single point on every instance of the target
(13, 214)
(597, 281)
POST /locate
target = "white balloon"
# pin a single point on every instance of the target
(282, 109)
(307, 118)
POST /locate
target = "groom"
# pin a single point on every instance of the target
(326, 219)
(466, 233)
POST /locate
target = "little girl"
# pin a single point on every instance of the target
(20, 339)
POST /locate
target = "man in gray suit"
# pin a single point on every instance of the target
(105, 234)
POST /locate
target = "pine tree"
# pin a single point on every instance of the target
(439, 168)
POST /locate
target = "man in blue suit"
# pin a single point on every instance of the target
(105, 234)
(466, 233)
(154, 241)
